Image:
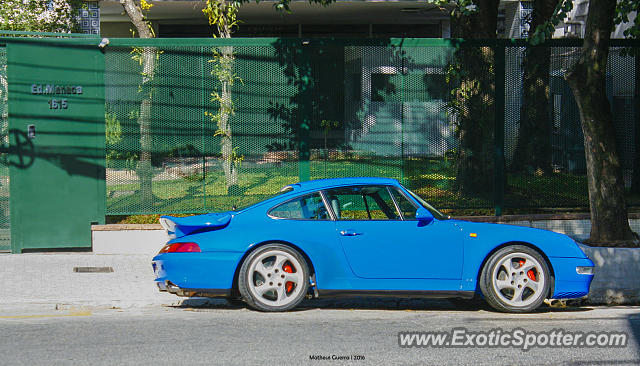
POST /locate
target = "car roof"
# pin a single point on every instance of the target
(334, 182)
(319, 184)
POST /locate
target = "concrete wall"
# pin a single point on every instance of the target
(127, 239)
(616, 275)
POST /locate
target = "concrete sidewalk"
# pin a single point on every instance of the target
(50, 279)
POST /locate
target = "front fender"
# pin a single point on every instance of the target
(482, 239)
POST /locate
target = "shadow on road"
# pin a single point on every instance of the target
(376, 303)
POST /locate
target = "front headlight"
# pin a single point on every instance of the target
(584, 270)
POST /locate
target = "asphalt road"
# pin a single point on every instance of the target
(365, 331)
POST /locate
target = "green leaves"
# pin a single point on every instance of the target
(113, 129)
(623, 9)
(545, 30)
(38, 15)
(463, 7)
(223, 14)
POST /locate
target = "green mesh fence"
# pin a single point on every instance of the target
(5, 222)
(422, 111)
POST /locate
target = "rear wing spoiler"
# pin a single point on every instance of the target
(177, 227)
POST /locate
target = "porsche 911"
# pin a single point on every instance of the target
(363, 237)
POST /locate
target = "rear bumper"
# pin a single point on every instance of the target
(196, 274)
(569, 284)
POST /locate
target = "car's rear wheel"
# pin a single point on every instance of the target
(274, 277)
(515, 279)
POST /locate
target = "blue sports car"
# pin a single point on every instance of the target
(363, 236)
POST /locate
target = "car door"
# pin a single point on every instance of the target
(381, 238)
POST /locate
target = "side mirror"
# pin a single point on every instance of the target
(424, 216)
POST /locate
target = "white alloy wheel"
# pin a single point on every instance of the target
(274, 278)
(515, 279)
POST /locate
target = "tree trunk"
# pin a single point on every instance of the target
(533, 149)
(587, 78)
(224, 20)
(229, 165)
(475, 101)
(149, 54)
(4, 100)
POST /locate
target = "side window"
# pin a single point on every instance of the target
(309, 207)
(362, 203)
(407, 207)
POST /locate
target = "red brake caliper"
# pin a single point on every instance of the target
(289, 285)
(530, 273)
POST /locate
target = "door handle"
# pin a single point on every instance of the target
(349, 233)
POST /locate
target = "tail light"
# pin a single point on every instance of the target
(180, 248)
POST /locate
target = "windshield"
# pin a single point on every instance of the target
(437, 214)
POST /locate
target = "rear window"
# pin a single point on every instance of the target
(308, 207)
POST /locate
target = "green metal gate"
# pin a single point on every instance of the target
(56, 134)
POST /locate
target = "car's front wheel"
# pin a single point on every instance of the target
(274, 277)
(515, 279)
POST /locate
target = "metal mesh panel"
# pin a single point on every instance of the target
(621, 86)
(174, 133)
(567, 139)
(544, 152)
(470, 164)
(261, 125)
(372, 113)
(5, 222)
(428, 138)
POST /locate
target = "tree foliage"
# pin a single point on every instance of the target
(624, 9)
(39, 15)
(623, 12)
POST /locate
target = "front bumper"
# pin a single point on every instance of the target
(569, 284)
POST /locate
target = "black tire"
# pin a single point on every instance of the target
(511, 289)
(250, 279)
